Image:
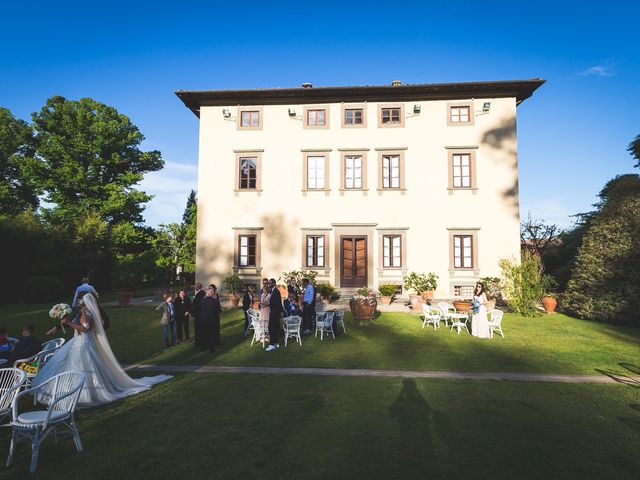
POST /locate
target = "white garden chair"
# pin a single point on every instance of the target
(260, 331)
(11, 381)
(53, 343)
(325, 324)
(62, 392)
(33, 364)
(292, 329)
(431, 316)
(495, 321)
(450, 314)
(459, 321)
(252, 314)
(339, 316)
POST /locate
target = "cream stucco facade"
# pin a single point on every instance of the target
(425, 211)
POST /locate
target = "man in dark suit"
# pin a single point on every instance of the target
(247, 303)
(209, 317)
(195, 311)
(275, 313)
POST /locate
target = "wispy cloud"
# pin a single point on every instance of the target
(170, 188)
(603, 69)
(551, 210)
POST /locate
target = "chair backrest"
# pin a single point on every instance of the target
(320, 306)
(11, 380)
(496, 316)
(66, 391)
(339, 315)
(446, 307)
(293, 322)
(328, 317)
(44, 356)
(51, 344)
(253, 312)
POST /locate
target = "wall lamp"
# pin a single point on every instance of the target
(416, 109)
(292, 112)
(226, 113)
(486, 106)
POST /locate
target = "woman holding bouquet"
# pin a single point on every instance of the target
(89, 352)
(479, 322)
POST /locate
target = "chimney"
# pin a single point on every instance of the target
(396, 83)
(307, 85)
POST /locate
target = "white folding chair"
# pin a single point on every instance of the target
(495, 321)
(325, 324)
(260, 331)
(61, 392)
(431, 316)
(11, 381)
(339, 316)
(292, 329)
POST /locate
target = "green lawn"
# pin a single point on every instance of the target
(547, 344)
(198, 426)
(249, 426)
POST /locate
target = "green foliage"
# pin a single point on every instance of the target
(492, 287)
(132, 270)
(18, 180)
(421, 282)
(523, 285)
(387, 290)
(634, 150)
(190, 222)
(43, 289)
(365, 292)
(233, 284)
(90, 160)
(325, 290)
(294, 278)
(605, 282)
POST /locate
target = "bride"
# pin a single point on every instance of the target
(89, 352)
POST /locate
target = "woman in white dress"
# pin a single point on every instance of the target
(89, 352)
(479, 322)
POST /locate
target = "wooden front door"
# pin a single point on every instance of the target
(353, 262)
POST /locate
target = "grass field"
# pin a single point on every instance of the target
(248, 426)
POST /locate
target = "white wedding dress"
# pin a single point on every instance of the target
(479, 322)
(91, 354)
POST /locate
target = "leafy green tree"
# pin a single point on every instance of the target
(18, 181)
(605, 280)
(634, 150)
(90, 160)
(190, 222)
(523, 283)
(170, 247)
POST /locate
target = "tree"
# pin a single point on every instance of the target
(18, 182)
(605, 280)
(537, 236)
(634, 150)
(90, 160)
(170, 247)
(190, 222)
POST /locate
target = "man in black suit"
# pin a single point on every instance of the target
(247, 303)
(209, 317)
(195, 312)
(275, 313)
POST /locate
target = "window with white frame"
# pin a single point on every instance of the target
(391, 171)
(461, 163)
(246, 250)
(463, 251)
(353, 171)
(315, 172)
(460, 114)
(316, 118)
(392, 251)
(315, 250)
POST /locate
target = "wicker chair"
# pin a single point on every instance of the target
(292, 329)
(11, 381)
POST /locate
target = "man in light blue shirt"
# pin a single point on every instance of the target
(81, 290)
(308, 306)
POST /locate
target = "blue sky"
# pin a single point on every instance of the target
(572, 133)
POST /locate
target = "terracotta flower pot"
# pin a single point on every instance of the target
(363, 309)
(549, 304)
(124, 298)
(256, 304)
(234, 300)
(284, 293)
(416, 302)
(385, 299)
(460, 306)
(428, 295)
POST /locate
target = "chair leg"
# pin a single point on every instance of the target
(343, 327)
(35, 447)
(76, 434)
(11, 448)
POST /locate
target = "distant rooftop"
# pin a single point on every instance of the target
(308, 94)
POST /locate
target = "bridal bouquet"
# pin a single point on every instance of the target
(59, 311)
(475, 306)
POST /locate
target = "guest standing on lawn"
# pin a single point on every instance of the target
(182, 305)
(83, 289)
(195, 311)
(479, 322)
(308, 306)
(275, 314)
(247, 303)
(209, 318)
(168, 320)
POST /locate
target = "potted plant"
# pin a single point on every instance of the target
(550, 302)
(363, 304)
(462, 306)
(325, 290)
(233, 285)
(493, 289)
(423, 284)
(125, 283)
(386, 293)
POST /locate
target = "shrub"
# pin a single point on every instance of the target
(365, 292)
(233, 284)
(325, 290)
(387, 290)
(421, 282)
(493, 287)
(43, 289)
(524, 286)
(294, 278)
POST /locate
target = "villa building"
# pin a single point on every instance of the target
(362, 184)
